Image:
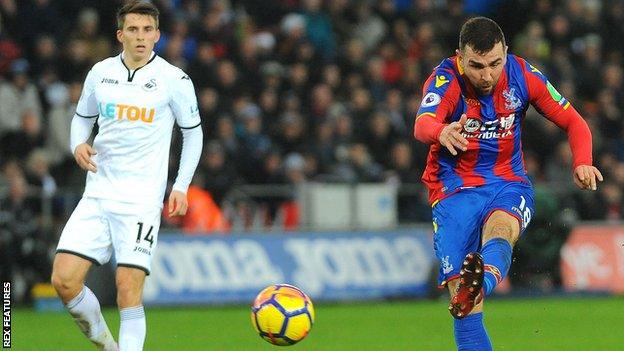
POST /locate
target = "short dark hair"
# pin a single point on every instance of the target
(481, 34)
(140, 7)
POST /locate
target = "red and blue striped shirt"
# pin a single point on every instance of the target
(493, 127)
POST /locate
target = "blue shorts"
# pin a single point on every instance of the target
(458, 220)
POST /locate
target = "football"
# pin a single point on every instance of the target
(282, 314)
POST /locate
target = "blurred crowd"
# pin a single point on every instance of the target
(292, 91)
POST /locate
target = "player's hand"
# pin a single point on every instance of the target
(451, 137)
(83, 154)
(587, 177)
(178, 204)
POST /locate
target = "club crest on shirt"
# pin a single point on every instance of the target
(150, 86)
(431, 99)
(512, 102)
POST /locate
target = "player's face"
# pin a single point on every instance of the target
(483, 69)
(138, 36)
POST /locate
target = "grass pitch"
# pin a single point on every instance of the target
(535, 324)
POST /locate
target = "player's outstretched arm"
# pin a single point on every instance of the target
(587, 177)
(451, 137)
(192, 140)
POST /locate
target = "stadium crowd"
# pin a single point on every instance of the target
(301, 90)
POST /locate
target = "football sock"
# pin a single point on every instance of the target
(470, 334)
(132, 329)
(496, 259)
(85, 308)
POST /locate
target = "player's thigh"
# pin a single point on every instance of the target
(509, 212)
(86, 233)
(134, 229)
(456, 230)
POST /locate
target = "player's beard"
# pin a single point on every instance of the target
(485, 90)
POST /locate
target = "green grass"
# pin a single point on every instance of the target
(536, 324)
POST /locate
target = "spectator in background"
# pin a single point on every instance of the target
(45, 60)
(38, 173)
(369, 28)
(295, 168)
(411, 205)
(10, 51)
(291, 135)
(319, 29)
(76, 61)
(269, 104)
(48, 20)
(19, 227)
(380, 137)
(88, 29)
(19, 143)
(209, 107)
(179, 33)
(357, 166)
(17, 96)
(226, 134)
(254, 144)
(59, 120)
(202, 65)
(215, 173)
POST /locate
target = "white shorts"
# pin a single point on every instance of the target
(99, 226)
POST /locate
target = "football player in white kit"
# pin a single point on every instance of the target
(136, 97)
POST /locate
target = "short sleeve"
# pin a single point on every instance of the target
(87, 105)
(183, 102)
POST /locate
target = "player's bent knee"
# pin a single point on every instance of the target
(68, 275)
(65, 286)
(501, 225)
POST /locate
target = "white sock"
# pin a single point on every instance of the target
(132, 329)
(85, 308)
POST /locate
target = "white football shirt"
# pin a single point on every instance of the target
(135, 111)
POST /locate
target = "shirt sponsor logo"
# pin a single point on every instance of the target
(109, 81)
(129, 112)
(499, 128)
(431, 99)
(472, 125)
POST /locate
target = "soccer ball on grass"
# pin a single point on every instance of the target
(282, 314)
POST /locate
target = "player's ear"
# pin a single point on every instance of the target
(157, 35)
(119, 35)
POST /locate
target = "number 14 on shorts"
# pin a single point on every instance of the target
(148, 236)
